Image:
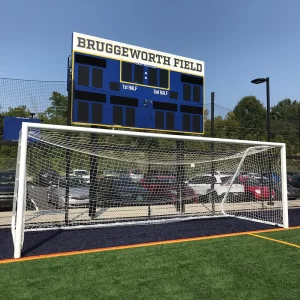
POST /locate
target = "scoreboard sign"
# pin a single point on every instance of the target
(124, 86)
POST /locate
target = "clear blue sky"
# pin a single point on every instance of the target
(238, 40)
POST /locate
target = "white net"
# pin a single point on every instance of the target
(96, 179)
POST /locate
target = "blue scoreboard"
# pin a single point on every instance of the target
(123, 86)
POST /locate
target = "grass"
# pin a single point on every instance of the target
(239, 267)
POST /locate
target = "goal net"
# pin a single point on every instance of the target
(71, 177)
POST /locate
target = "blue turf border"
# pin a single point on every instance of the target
(54, 241)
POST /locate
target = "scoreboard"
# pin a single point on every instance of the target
(118, 85)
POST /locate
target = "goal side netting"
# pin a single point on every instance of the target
(76, 177)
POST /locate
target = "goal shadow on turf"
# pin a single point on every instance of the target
(39, 243)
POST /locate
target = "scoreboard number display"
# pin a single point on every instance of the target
(117, 85)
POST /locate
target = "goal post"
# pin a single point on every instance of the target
(285, 222)
(19, 202)
(130, 177)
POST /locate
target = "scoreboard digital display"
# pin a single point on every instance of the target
(124, 86)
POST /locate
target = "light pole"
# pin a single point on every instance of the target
(267, 81)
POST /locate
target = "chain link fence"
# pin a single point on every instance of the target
(20, 98)
(34, 94)
(47, 100)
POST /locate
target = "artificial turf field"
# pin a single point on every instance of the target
(242, 266)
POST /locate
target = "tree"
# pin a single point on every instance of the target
(220, 127)
(57, 112)
(285, 122)
(231, 126)
(19, 111)
(251, 115)
(286, 109)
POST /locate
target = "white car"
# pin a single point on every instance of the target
(257, 176)
(202, 186)
(136, 175)
(229, 173)
(221, 173)
(81, 173)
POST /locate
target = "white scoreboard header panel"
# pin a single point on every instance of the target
(120, 51)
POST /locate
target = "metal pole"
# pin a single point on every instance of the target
(212, 149)
(68, 152)
(180, 175)
(268, 110)
(270, 202)
(212, 113)
(93, 178)
(299, 129)
(70, 90)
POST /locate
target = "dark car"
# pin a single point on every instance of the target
(294, 180)
(46, 176)
(122, 190)
(293, 173)
(273, 176)
(164, 187)
(293, 192)
(7, 185)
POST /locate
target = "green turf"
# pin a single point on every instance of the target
(241, 267)
(290, 236)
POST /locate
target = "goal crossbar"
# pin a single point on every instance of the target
(27, 125)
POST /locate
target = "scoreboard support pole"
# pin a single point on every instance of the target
(180, 175)
(93, 178)
(68, 152)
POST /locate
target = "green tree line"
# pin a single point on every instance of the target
(246, 121)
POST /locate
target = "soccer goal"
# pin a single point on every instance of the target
(78, 177)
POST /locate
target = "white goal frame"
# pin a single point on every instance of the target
(17, 226)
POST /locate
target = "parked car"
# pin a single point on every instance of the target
(111, 173)
(46, 176)
(135, 174)
(78, 192)
(293, 192)
(220, 173)
(164, 188)
(293, 173)
(242, 174)
(7, 185)
(81, 173)
(258, 190)
(294, 180)
(202, 186)
(257, 176)
(122, 190)
(273, 176)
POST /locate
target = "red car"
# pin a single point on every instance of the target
(164, 187)
(257, 190)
